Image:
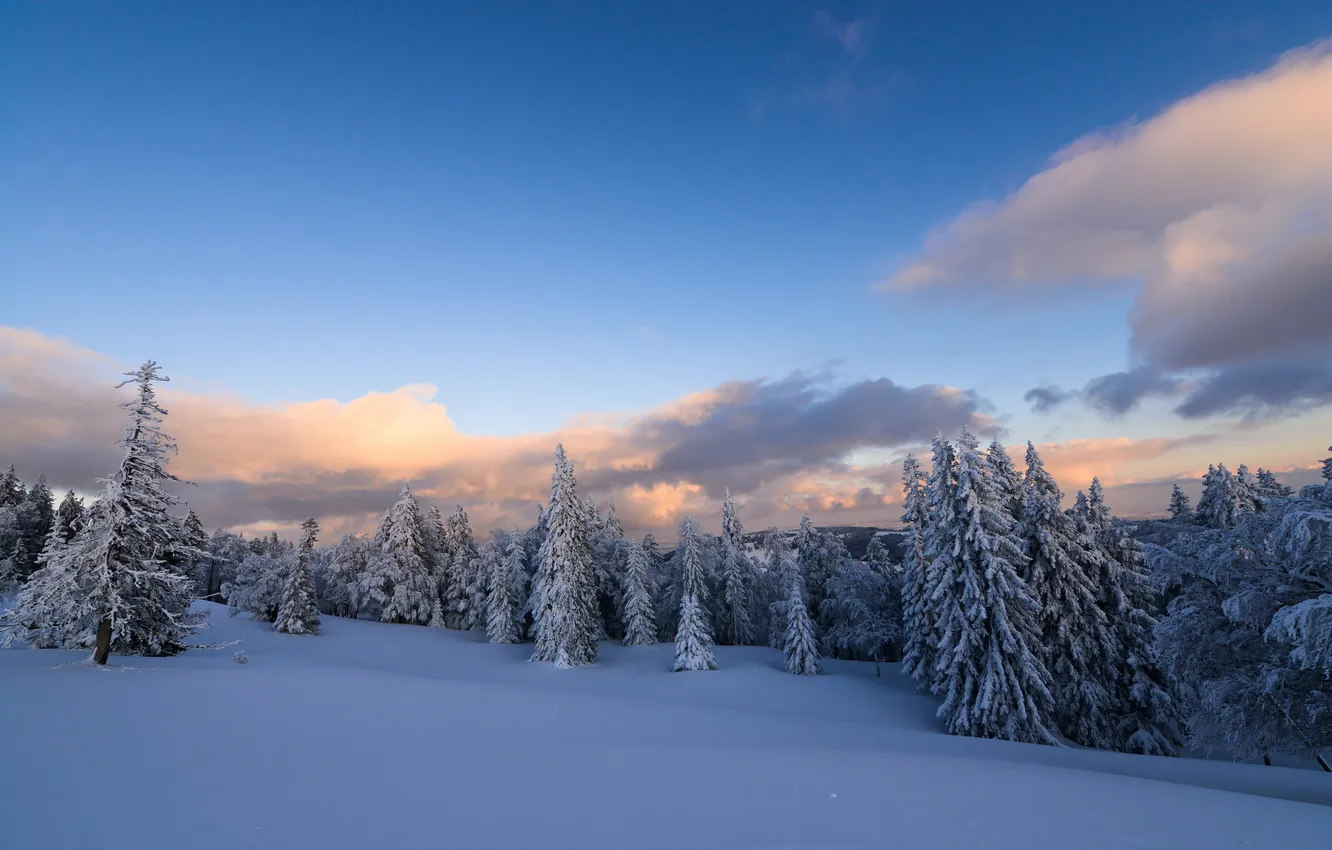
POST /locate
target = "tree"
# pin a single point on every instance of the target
(663, 598)
(1006, 478)
(987, 666)
(640, 626)
(1269, 488)
(12, 491)
(609, 555)
(259, 583)
(564, 597)
(461, 583)
(1062, 568)
(112, 579)
(865, 602)
(343, 592)
(934, 521)
(45, 627)
(736, 624)
(508, 590)
(693, 637)
(297, 614)
(34, 516)
(799, 647)
(1180, 510)
(397, 578)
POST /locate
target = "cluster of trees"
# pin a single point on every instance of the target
(1031, 622)
(1247, 637)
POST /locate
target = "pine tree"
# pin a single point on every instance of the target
(508, 590)
(640, 626)
(344, 594)
(71, 514)
(111, 580)
(461, 574)
(1180, 510)
(693, 637)
(609, 555)
(799, 646)
(45, 630)
(34, 516)
(938, 539)
(737, 581)
(12, 491)
(564, 595)
(987, 666)
(1006, 478)
(1075, 635)
(664, 603)
(1269, 488)
(298, 614)
(397, 578)
(917, 652)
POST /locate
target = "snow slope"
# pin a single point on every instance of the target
(381, 736)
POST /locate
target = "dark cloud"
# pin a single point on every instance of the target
(758, 431)
(1045, 399)
(1118, 393)
(1260, 390)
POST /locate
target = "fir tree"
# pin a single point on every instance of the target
(609, 556)
(917, 652)
(799, 646)
(397, 578)
(12, 491)
(1006, 478)
(640, 626)
(1078, 646)
(344, 594)
(34, 516)
(111, 581)
(1269, 488)
(1180, 509)
(663, 599)
(461, 573)
(737, 581)
(298, 614)
(693, 637)
(508, 590)
(564, 595)
(987, 665)
(71, 514)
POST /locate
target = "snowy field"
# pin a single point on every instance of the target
(383, 736)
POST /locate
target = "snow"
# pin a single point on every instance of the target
(377, 735)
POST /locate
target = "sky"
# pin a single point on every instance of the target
(771, 247)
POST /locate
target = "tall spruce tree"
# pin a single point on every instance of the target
(298, 614)
(988, 667)
(463, 584)
(640, 623)
(916, 652)
(1180, 509)
(344, 595)
(397, 579)
(508, 590)
(939, 542)
(112, 581)
(1006, 478)
(693, 636)
(71, 514)
(564, 595)
(1075, 635)
(737, 581)
(609, 555)
(34, 515)
(800, 648)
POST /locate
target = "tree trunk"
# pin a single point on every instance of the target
(1267, 759)
(1322, 762)
(103, 649)
(877, 674)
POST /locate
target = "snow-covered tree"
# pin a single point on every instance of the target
(1226, 499)
(640, 623)
(343, 591)
(987, 665)
(917, 658)
(508, 588)
(664, 602)
(259, 582)
(736, 625)
(45, 630)
(1062, 572)
(462, 582)
(609, 555)
(693, 636)
(1006, 478)
(564, 595)
(1180, 509)
(34, 516)
(1269, 488)
(71, 514)
(865, 604)
(298, 614)
(397, 578)
(935, 522)
(112, 580)
(799, 646)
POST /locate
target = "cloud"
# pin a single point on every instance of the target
(1046, 399)
(779, 445)
(1119, 392)
(1221, 206)
(1260, 390)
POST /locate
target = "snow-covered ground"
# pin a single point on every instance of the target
(382, 736)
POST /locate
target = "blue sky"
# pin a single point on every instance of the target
(547, 210)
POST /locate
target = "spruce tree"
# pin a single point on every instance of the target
(693, 637)
(640, 626)
(1269, 488)
(987, 667)
(564, 595)
(12, 491)
(298, 614)
(508, 590)
(1006, 478)
(34, 516)
(917, 653)
(1180, 509)
(71, 514)
(111, 581)
(397, 578)
(939, 541)
(344, 595)
(609, 556)
(461, 580)
(437, 559)
(1075, 635)
(737, 581)
(799, 646)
